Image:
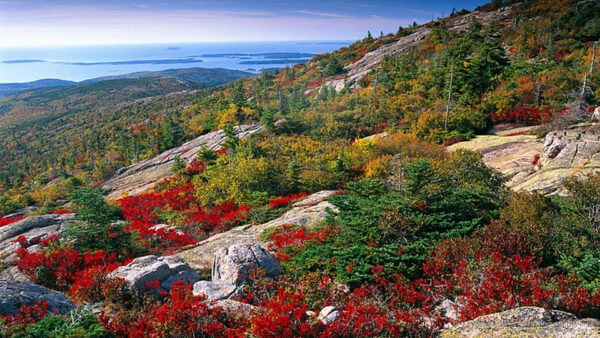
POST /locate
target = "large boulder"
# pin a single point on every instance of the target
(526, 321)
(234, 265)
(149, 269)
(216, 290)
(305, 212)
(13, 295)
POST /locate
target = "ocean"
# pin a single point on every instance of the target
(77, 63)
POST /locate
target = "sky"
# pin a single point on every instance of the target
(97, 22)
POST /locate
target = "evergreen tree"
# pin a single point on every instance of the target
(231, 139)
(335, 67)
(95, 229)
(205, 154)
(178, 165)
(292, 175)
(238, 94)
(267, 119)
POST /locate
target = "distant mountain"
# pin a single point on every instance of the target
(11, 88)
(48, 124)
(204, 76)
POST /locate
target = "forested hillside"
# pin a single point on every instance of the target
(375, 229)
(525, 68)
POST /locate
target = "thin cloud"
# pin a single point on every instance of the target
(417, 11)
(329, 15)
(361, 5)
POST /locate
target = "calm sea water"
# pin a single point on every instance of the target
(78, 63)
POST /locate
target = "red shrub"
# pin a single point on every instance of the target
(284, 201)
(288, 242)
(181, 315)
(283, 316)
(54, 269)
(524, 115)
(7, 221)
(27, 315)
(143, 211)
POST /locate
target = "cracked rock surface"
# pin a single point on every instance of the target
(13, 295)
(526, 321)
(532, 164)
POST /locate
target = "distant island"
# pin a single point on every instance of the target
(263, 55)
(127, 62)
(272, 62)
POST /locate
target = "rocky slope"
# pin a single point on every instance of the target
(143, 175)
(355, 71)
(526, 321)
(307, 212)
(541, 165)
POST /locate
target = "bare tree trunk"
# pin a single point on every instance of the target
(449, 98)
(582, 93)
(375, 83)
(593, 59)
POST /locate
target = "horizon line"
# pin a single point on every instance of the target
(171, 42)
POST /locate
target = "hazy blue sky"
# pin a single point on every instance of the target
(64, 22)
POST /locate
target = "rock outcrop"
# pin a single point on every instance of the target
(328, 315)
(526, 321)
(532, 164)
(33, 228)
(233, 267)
(357, 70)
(143, 175)
(13, 295)
(149, 269)
(308, 211)
(22, 212)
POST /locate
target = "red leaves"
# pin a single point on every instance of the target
(61, 212)
(27, 315)
(181, 315)
(284, 201)
(525, 115)
(143, 211)
(7, 221)
(289, 242)
(283, 316)
(61, 268)
(196, 167)
(53, 269)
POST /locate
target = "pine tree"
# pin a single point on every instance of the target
(238, 94)
(178, 165)
(231, 139)
(267, 119)
(292, 175)
(205, 154)
(94, 230)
